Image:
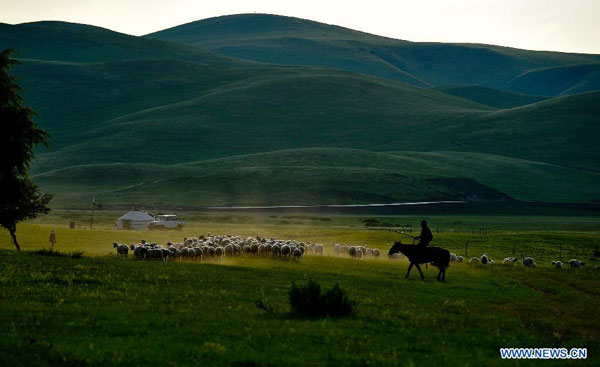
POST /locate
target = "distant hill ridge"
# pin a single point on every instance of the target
(293, 41)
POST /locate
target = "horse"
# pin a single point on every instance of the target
(437, 256)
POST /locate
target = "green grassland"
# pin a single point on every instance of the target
(293, 41)
(489, 96)
(316, 177)
(102, 310)
(558, 80)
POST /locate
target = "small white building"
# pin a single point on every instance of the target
(135, 219)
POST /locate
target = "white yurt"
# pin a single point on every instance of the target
(135, 219)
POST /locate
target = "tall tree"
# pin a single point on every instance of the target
(20, 198)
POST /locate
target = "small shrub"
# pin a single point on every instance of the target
(307, 300)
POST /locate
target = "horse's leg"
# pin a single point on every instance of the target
(409, 269)
(420, 272)
(439, 276)
(444, 275)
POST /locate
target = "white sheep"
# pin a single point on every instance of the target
(376, 253)
(318, 249)
(352, 250)
(484, 259)
(509, 260)
(460, 258)
(297, 254)
(453, 257)
(557, 264)
(474, 260)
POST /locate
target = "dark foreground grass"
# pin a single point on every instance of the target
(107, 311)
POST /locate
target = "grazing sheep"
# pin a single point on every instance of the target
(359, 253)
(139, 252)
(219, 252)
(285, 250)
(484, 259)
(318, 249)
(557, 264)
(166, 253)
(337, 249)
(376, 253)
(474, 260)
(155, 254)
(509, 260)
(122, 250)
(352, 251)
(229, 250)
(576, 264)
(275, 250)
(528, 261)
(453, 257)
(198, 253)
(297, 254)
(460, 258)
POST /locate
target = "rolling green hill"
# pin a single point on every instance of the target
(61, 41)
(127, 128)
(489, 96)
(558, 80)
(305, 108)
(256, 110)
(293, 41)
(316, 177)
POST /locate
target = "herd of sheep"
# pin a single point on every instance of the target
(219, 246)
(525, 260)
(356, 252)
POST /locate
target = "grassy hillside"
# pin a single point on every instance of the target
(489, 96)
(61, 41)
(286, 108)
(558, 80)
(311, 108)
(72, 98)
(153, 112)
(315, 177)
(293, 41)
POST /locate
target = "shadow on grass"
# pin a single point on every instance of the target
(44, 252)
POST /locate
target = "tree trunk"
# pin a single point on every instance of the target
(14, 238)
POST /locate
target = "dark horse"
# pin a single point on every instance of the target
(437, 256)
